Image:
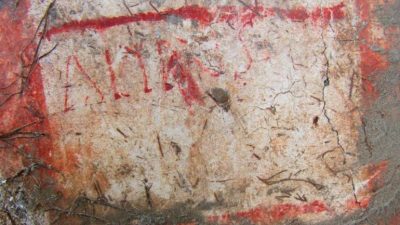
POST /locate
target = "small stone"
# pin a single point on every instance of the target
(326, 82)
(221, 97)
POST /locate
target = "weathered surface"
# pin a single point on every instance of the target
(171, 112)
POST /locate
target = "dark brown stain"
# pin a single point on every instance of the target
(221, 97)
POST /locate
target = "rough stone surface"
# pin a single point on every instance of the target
(199, 112)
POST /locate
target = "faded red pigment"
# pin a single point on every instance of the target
(67, 107)
(29, 107)
(204, 68)
(161, 44)
(182, 76)
(371, 62)
(139, 57)
(166, 86)
(273, 214)
(204, 16)
(88, 78)
(174, 64)
(373, 174)
(112, 74)
(191, 93)
(298, 14)
(113, 77)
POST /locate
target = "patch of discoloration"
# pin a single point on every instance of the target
(219, 148)
(378, 142)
